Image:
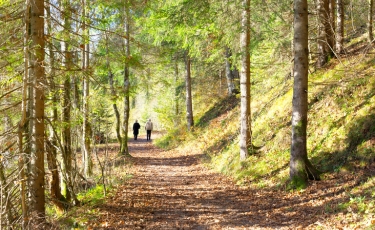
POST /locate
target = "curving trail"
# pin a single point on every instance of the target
(172, 190)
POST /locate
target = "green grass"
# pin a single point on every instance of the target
(341, 130)
(93, 196)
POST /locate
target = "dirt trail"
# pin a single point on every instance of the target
(172, 190)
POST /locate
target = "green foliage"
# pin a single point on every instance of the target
(340, 129)
(172, 139)
(93, 196)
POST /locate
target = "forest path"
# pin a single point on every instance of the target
(173, 190)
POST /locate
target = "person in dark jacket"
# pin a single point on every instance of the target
(136, 127)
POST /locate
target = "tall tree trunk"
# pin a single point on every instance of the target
(66, 158)
(36, 177)
(23, 122)
(370, 19)
(86, 132)
(125, 125)
(55, 190)
(229, 72)
(300, 167)
(189, 99)
(176, 95)
(113, 96)
(245, 119)
(332, 26)
(323, 31)
(340, 27)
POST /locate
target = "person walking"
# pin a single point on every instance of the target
(148, 128)
(136, 127)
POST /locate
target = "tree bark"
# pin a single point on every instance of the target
(340, 27)
(115, 109)
(228, 72)
(323, 32)
(245, 120)
(370, 21)
(66, 158)
(176, 96)
(126, 86)
(189, 98)
(24, 119)
(36, 177)
(300, 167)
(113, 96)
(86, 127)
(55, 189)
(332, 27)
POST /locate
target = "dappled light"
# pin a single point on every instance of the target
(187, 114)
(173, 190)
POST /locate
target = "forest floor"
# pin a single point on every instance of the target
(174, 190)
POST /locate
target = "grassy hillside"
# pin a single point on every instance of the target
(341, 130)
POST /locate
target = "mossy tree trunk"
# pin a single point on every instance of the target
(300, 167)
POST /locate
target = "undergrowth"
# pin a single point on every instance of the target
(78, 217)
(341, 131)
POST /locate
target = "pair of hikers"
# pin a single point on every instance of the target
(148, 128)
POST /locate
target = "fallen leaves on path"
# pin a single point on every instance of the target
(172, 190)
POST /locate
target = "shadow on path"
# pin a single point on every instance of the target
(172, 190)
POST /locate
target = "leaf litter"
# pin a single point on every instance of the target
(173, 190)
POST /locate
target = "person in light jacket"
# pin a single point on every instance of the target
(148, 128)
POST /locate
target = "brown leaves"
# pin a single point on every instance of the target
(172, 190)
